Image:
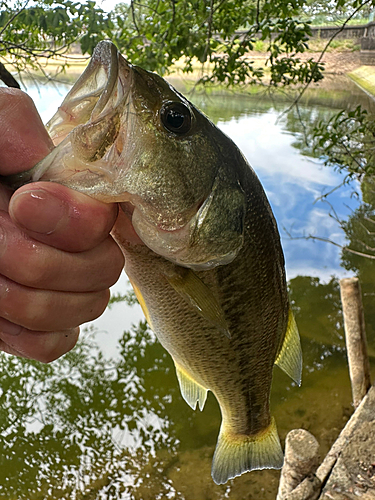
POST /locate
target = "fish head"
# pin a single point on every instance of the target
(125, 135)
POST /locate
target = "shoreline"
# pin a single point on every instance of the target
(345, 63)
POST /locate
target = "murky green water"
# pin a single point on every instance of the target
(107, 420)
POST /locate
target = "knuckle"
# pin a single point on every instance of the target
(115, 263)
(38, 273)
(34, 314)
(9, 96)
(54, 345)
(98, 305)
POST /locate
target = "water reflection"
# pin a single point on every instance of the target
(107, 420)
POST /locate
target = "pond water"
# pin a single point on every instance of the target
(107, 420)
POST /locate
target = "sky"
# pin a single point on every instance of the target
(108, 5)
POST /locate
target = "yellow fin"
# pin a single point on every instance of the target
(191, 391)
(236, 454)
(289, 358)
(142, 302)
(192, 288)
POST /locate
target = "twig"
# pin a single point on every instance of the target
(13, 17)
(215, 9)
(209, 30)
(133, 15)
(327, 240)
(303, 125)
(328, 193)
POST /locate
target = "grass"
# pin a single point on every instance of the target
(339, 21)
(337, 45)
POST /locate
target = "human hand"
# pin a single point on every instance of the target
(57, 259)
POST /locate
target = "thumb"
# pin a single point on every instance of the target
(23, 138)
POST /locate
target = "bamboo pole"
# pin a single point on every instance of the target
(355, 337)
(301, 460)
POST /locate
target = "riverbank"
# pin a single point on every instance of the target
(364, 77)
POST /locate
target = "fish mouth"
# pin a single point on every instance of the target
(85, 129)
(93, 95)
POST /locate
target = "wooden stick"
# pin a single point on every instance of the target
(301, 459)
(355, 336)
(309, 489)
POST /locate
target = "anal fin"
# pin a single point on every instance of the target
(289, 358)
(191, 391)
(239, 453)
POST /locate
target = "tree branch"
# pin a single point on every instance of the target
(327, 240)
(7, 77)
(133, 15)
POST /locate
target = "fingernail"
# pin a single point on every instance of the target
(38, 210)
(9, 328)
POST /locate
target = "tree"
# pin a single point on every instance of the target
(31, 33)
(155, 34)
(325, 11)
(219, 33)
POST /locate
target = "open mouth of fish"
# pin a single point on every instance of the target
(85, 130)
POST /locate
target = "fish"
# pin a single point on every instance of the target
(201, 243)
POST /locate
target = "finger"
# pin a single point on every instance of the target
(61, 217)
(53, 269)
(23, 138)
(47, 311)
(41, 346)
(5, 196)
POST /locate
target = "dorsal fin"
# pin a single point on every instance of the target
(197, 293)
(289, 358)
(191, 391)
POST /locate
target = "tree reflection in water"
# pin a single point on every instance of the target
(85, 423)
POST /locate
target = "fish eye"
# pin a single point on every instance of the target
(176, 117)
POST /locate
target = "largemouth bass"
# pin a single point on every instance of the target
(201, 244)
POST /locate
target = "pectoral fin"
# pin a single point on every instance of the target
(191, 391)
(289, 358)
(189, 286)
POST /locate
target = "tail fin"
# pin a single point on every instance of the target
(236, 454)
